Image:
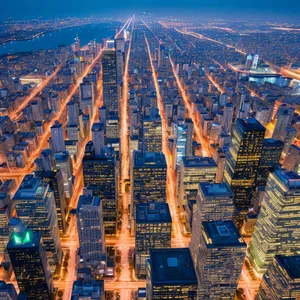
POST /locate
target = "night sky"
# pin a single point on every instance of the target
(269, 9)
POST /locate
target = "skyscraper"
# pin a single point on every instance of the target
(243, 161)
(90, 230)
(35, 206)
(152, 132)
(153, 230)
(220, 260)
(282, 279)
(171, 274)
(98, 136)
(276, 230)
(228, 117)
(57, 138)
(292, 160)
(148, 178)
(87, 97)
(110, 85)
(29, 261)
(214, 203)
(284, 119)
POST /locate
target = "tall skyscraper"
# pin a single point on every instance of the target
(282, 279)
(193, 170)
(243, 161)
(292, 160)
(87, 97)
(153, 230)
(35, 206)
(270, 157)
(57, 138)
(220, 260)
(171, 275)
(228, 117)
(110, 83)
(284, 119)
(148, 178)
(91, 230)
(29, 261)
(214, 203)
(152, 132)
(100, 175)
(73, 113)
(276, 230)
(98, 137)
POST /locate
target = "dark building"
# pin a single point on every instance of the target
(99, 174)
(270, 157)
(171, 274)
(29, 262)
(243, 161)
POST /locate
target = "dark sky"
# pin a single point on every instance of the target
(270, 9)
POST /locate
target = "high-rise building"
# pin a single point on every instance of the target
(7, 291)
(73, 113)
(100, 175)
(55, 181)
(282, 279)
(110, 83)
(214, 203)
(29, 261)
(152, 133)
(87, 97)
(276, 230)
(220, 158)
(153, 229)
(270, 157)
(292, 160)
(220, 260)
(90, 230)
(37, 110)
(98, 136)
(112, 125)
(57, 138)
(35, 206)
(228, 117)
(148, 178)
(290, 134)
(243, 161)
(171, 275)
(64, 163)
(193, 170)
(284, 120)
(88, 290)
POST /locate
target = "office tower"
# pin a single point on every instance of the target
(57, 138)
(193, 170)
(64, 163)
(270, 157)
(228, 117)
(276, 230)
(5, 213)
(284, 120)
(29, 261)
(100, 175)
(88, 289)
(153, 229)
(35, 206)
(214, 202)
(73, 113)
(7, 291)
(255, 61)
(290, 134)
(152, 132)
(262, 115)
(292, 160)
(72, 133)
(243, 161)
(37, 110)
(148, 178)
(183, 132)
(90, 230)
(223, 99)
(87, 97)
(47, 160)
(249, 62)
(76, 45)
(220, 260)
(55, 181)
(282, 279)
(220, 158)
(120, 57)
(171, 274)
(98, 136)
(109, 76)
(112, 125)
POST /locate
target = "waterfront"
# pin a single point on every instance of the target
(64, 36)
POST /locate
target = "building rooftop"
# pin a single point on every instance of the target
(215, 189)
(149, 159)
(290, 179)
(272, 142)
(155, 212)
(198, 161)
(251, 124)
(98, 127)
(219, 234)
(26, 239)
(172, 266)
(30, 188)
(87, 289)
(88, 200)
(291, 264)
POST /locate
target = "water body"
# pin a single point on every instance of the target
(64, 36)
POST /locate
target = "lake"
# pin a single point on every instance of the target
(64, 36)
